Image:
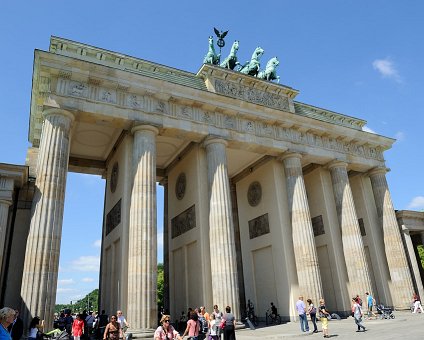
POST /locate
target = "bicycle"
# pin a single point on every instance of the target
(272, 319)
(252, 317)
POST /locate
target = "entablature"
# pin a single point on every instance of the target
(78, 85)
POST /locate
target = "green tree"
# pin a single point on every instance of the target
(88, 303)
(420, 249)
(160, 286)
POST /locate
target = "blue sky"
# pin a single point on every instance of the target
(360, 58)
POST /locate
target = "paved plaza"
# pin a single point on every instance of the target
(406, 324)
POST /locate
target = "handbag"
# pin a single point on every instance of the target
(222, 325)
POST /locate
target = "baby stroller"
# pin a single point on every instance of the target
(385, 313)
(56, 334)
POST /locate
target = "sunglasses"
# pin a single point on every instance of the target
(165, 320)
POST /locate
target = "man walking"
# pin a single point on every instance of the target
(301, 310)
(370, 303)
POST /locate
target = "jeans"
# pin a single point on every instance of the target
(314, 321)
(303, 323)
(358, 321)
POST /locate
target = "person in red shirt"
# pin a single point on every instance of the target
(78, 327)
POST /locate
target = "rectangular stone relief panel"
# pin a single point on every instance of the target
(113, 218)
(183, 222)
(258, 226)
(318, 225)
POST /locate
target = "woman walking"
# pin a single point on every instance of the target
(312, 311)
(230, 324)
(113, 330)
(357, 314)
(192, 326)
(78, 327)
(323, 313)
(166, 331)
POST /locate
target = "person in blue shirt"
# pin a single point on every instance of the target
(7, 316)
(370, 304)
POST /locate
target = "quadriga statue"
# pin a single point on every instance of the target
(231, 61)
(270, 72)
(252, 67)
(211, 57)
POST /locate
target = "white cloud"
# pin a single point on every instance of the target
(367, 129)
(97, 243)
(87, 279)
(387, 69)
(417, 203)
(160, 240)
(400, 136)
(65, 282)
(65, 290)
(87, 264)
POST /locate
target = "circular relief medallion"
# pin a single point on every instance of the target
(180, 186)
(254, 194)
(114, 177)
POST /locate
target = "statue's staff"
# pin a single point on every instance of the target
(220, 42)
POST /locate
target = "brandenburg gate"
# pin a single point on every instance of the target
(265, 198)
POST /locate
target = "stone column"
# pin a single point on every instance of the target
(142, 255)
(166, 299)
(6, 190)
(401, 282)
(305, 252)
(353, 246)
(39, 278)
(239, 257)
(413, 260)
(225, 289)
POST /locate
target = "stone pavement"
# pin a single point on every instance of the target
(406, 324)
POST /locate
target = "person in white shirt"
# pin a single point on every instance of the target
(122, 322)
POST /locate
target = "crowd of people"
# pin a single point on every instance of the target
(198, 324)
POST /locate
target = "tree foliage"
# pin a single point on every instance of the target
(91, 301)
(420, 249)
(88, 303)
(161, 285)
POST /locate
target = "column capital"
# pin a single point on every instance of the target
(337, 164)
(48, 111)
(213, 139)
(5, 202)
(143, 127)
(290, 154)
(379, 170)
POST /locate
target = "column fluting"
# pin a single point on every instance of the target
(305, 252)
(402, 287)
(142, 254)
(225, 289)
(39, 278)
(353, 245)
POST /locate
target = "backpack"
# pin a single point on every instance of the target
(203, 324)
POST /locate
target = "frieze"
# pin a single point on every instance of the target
(252, 95)
(113, 218)
(148, 103)
(258, 226)
(183, 222)
(78, 89)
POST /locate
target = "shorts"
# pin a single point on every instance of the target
(370, 308)
(324, 322)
